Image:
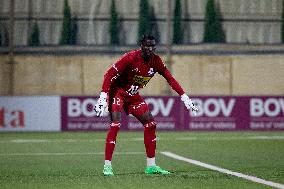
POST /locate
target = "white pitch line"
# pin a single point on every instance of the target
(64, 154)
(226, 171)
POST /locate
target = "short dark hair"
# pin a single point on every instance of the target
(146, 37)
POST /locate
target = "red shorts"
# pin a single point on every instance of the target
(119, 99)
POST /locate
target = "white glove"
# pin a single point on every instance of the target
(189, 104)
(101, 107)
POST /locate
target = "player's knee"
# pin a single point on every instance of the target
(146, 118)
(116, 117)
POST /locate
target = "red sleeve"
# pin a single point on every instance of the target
(163, 70)
(114, 71)
(160, 66)
(172, 82)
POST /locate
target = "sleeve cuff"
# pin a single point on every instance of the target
(103, 95)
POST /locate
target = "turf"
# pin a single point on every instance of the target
(69, 160)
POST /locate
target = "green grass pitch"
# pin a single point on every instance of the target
(75, 160)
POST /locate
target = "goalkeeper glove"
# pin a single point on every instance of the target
(101, 107)
(189, 104)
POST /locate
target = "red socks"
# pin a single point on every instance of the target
(111, 140)
(150, 139)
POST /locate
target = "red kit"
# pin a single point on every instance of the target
(129, 74)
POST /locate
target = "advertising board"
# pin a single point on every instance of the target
(30, 113)
(225, 113)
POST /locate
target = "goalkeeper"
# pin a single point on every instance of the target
(120, 91)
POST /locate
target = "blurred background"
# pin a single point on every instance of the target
(228, 55)
(212, 47)
(63, 47)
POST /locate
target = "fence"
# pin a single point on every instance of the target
(244, 21)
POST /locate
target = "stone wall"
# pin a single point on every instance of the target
(198, 74)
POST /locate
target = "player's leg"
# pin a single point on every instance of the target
(115, 115)
(111, 136)
(142, 113)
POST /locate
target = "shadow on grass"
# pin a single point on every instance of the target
(181, 174)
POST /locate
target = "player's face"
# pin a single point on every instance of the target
(148, 48)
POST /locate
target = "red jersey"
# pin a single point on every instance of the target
(131, 73)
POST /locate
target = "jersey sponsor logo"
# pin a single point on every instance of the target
(141, 80)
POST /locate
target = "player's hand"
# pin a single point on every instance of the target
(189, 104)
(101, 107)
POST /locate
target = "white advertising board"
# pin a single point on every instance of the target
(30, 113)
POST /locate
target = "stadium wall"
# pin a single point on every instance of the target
(198, 74)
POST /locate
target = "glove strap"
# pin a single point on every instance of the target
(184, 97)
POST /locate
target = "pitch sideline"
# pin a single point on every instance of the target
(222, 170)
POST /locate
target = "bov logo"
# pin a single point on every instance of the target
(270, 107)
(212, 107)
(159, 105)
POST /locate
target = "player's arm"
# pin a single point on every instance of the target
(113, 72)
(176, 86)
(110, 76)
(172, 82)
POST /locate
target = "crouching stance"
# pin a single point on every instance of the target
(120, 91)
